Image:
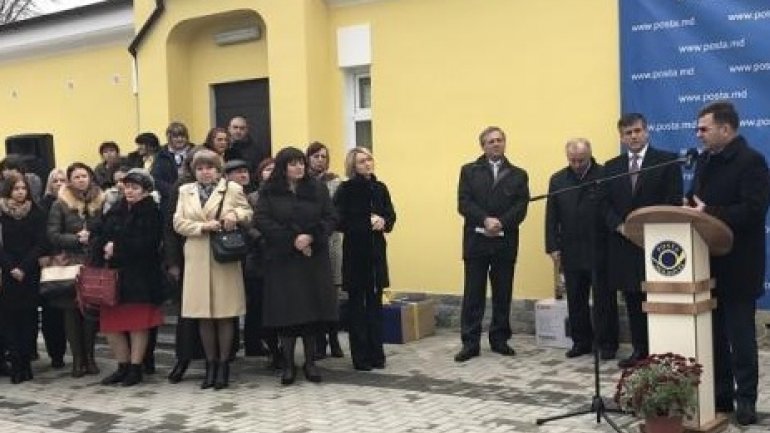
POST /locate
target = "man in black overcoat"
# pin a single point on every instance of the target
(659, 186)
(731, 183)
(575, 238)
(492, 198)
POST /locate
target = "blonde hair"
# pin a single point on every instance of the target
(51, 178)
(350, 160)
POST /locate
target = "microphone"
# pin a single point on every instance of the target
(688, 157)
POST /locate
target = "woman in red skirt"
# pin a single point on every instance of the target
(129, 241)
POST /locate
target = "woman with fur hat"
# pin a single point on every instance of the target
(129, 240)
(212, 292)
(77, 209)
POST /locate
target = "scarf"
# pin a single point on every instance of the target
(205, 191)
(15, 209)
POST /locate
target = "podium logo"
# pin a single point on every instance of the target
(668, 258)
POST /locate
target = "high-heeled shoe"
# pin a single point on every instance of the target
(177, 373)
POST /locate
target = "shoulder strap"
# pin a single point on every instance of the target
(222, 202)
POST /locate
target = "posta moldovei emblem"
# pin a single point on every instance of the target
(668, 258)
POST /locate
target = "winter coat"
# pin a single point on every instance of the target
(480, 196)
(364, 259)
(573, 224)
(734, 185)
(69, 214)
(298, 289)
(135, 232)
(210, 289)
(663, 186)
(23, 242)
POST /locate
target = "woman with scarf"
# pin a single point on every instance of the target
(212, 292)
(77, 209)
(23, 242)
(366, 214)
(318, 158)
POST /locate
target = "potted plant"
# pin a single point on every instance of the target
(661, 389)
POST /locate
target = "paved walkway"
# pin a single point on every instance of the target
(421, 390)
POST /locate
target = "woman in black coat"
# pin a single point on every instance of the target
(23, 241)
(366, 214)
(295, 215)
(129, 240)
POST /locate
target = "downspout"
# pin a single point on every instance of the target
(133, 48)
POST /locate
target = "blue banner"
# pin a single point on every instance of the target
(679, 55)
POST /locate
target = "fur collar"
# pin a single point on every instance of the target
(90, 203)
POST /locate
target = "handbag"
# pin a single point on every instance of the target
(58, 280)
(228, 246)
(97, 287)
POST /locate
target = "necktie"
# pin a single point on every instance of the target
(634, 170)
(495, 169)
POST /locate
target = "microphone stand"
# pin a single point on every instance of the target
(598, 405)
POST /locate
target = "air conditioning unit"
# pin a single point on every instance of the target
(237, 36)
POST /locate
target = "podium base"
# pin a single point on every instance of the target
(716, 425)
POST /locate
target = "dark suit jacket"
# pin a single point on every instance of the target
(479, 196)
(734, 185)
(662, 186)
(572, 223)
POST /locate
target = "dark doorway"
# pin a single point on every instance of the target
(250, 98)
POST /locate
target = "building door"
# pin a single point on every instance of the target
(250, 98)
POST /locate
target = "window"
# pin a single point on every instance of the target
(359, 111)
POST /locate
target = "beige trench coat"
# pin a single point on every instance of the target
(211, 289)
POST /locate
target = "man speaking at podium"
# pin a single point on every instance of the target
(731, 183)
(659, 186)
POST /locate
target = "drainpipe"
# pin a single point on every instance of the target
(133, 48)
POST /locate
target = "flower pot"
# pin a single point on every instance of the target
(662, 424)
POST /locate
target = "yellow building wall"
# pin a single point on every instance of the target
(80, 97)
(442, 70)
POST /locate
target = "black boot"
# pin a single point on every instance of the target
(223, 376)
(334, 345)
(90, 328)
(320, 345)
(275, 360)
(73, 331)
(311, 370)
(117, 376)
(177, 373)
(289, 371)
(149, 365)
(134, 375)
(16, 373)
(211, 374)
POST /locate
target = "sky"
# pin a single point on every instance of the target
(48, 6)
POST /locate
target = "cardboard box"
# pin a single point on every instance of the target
(405, 321)
(552, 323)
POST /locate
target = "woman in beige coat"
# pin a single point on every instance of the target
(212, 292)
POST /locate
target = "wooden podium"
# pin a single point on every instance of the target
(677, 243)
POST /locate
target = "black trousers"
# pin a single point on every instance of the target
(365, 326)
(254, 331)
(735, 351)
(19, 327)
(52, 324)
(499, 270)
(578, 284)
(637, 320)
(606, 324)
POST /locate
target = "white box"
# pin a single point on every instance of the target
(551, 323)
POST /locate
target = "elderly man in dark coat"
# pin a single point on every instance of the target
(731, 183)
(575, 239)
(625, 261)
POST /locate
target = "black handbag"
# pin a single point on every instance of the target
(228, 246)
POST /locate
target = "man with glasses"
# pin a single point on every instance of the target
(731, 183)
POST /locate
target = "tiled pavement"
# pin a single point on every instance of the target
(421, 390)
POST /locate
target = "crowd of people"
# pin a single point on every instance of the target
(153, 215)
